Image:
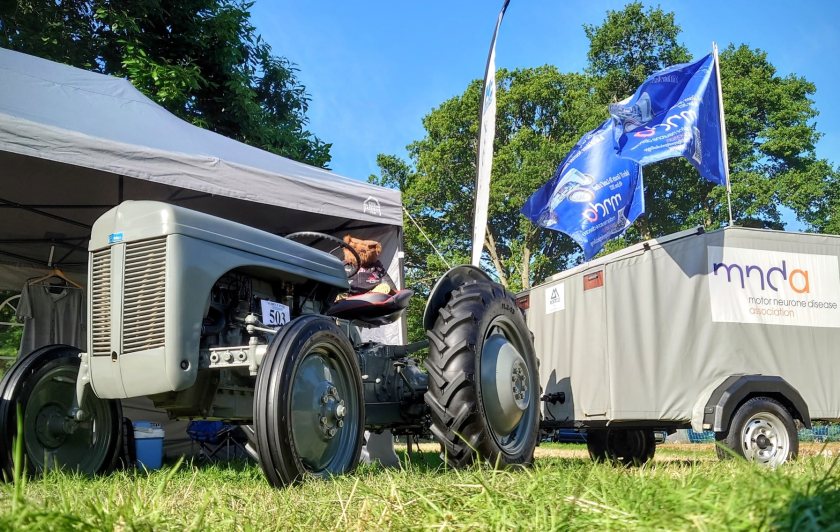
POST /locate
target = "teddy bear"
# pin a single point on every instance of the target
(372, 275)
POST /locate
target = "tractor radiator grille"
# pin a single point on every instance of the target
(100, 297)
(144, 295)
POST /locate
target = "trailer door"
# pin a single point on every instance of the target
(590, 370)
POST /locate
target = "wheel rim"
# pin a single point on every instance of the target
(507, 386)
(765, 440)
(324, 409)
(52, 439)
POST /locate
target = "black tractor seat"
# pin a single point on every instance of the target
(371, 309)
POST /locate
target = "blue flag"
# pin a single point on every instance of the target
(675, 112)
(593, 196)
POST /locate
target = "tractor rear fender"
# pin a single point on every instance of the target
(733, 391)
(451, 280)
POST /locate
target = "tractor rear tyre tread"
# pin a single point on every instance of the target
(454, 398)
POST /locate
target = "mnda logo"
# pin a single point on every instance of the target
(773, 278)
(596, 211)
(554, 298)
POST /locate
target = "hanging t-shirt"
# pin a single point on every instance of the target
(51, 318)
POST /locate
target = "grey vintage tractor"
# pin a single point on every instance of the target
(215, 320)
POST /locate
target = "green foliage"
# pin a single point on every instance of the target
(200, 59)
(685, 488)
(9, 335)
(542, 112)
(629, 46)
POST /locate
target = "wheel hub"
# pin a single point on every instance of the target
(504, 384)
(332, 412)
(50, 426)
(764, 440)
(519, 384)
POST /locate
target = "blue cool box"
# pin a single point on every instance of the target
(148, 440)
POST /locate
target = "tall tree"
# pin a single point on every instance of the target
(201, 59)
(541, 114)
(629, 45)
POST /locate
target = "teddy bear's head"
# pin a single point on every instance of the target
(368, 250)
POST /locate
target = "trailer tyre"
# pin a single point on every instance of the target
(628, 447)
(761, 431)
(43, 383)
(309, 411)
(483, 382)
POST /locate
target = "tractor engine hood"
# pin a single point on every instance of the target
(132, 221)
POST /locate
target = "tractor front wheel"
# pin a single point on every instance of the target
(309, 410)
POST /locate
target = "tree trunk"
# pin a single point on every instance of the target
(644, 228)
(490, 242)
(526, 267)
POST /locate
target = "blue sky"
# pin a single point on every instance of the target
(373, 69)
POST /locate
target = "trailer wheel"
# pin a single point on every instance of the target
(309, 411)
(621, 446)
(43, 383)
(762, 431)
(483, 383)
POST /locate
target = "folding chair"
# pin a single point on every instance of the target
(218, 440)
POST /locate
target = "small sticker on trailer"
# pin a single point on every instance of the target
(555, 298)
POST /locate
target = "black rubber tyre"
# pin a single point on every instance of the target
(309, 410)
(628, 447)
(128, 453)
(596, 444)
(44, 384)
(763, 431)
(252, 445)
(479, 322)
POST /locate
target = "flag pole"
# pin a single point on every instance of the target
(484, 155)
(724, 148)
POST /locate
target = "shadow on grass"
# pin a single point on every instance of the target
(416, 461)
(421, 461)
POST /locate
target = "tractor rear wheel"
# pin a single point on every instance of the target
(309, 410)
(43, 383)
(483, 382)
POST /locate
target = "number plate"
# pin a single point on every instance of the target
(274, 313)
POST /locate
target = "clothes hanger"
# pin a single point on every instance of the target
(55, 273)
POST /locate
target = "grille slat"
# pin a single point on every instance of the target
(100, 289)
(144, 295)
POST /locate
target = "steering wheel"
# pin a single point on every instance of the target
(353, 268)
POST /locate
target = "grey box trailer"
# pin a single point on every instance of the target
(735, 331)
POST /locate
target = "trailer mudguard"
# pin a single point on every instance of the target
(736, 389)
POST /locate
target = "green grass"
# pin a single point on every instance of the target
(688, 490)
